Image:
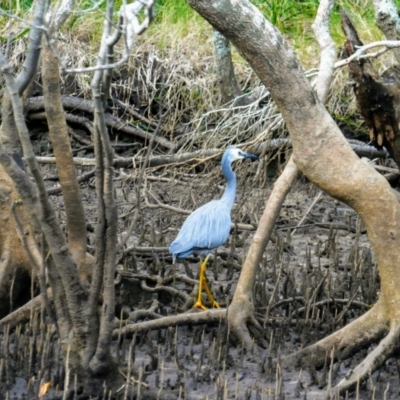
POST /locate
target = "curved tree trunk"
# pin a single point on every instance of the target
(388, 21)
(241, 309)
(320, 150)
(15, 264)
(84, 331)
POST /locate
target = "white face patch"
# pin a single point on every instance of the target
(236, 154)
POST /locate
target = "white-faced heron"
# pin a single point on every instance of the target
(208, 227)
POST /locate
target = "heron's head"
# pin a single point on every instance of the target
(233, 154)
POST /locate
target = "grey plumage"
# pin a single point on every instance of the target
(208, 227)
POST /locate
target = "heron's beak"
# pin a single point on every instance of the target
(251, 156)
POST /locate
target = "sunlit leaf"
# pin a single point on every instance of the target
(44, 388)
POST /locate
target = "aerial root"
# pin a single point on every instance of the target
(388, 345)
(368, 328)
(23, 313)
(242, 334)
(257, 330)
(239, 317)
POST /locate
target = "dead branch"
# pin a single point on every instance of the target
(35, 105)
(316, 199)
(113, 123)
(82, 178)
(188, 301)
(189, 318)
(23, 313)
(388, 21)
(377, 96)
(358, 54)
(301, 299)
(148, 313)
(178, 159)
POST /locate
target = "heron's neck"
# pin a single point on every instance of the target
(230, 191)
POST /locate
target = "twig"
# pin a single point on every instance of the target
(83, 178)
(359, 304)
(359, 54)
(112, 122)
(172, 291)
(133, 380)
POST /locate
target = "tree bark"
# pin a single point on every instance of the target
(8, 128)
(378, 98)
(58, 131)
(241, 309)
(242, 306)
(320, 150)
(388, 21)
(226, 78)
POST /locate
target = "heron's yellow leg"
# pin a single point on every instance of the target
(203, 283)
(199, 304)
(209, 294)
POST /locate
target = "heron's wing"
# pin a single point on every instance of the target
(205, 229)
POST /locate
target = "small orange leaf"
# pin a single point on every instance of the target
(44, 388)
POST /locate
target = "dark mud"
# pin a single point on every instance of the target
(313, 279)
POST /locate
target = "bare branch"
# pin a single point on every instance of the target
(32, 57)
(359, 54)
(43, 209)
(388, 21)
(62, 13)
(204, 155)
(132, 24)
(25, 21)
(327, 48)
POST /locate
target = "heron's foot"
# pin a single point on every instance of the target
(204, 285)
(200, 306)
(211, 299)
(199, 303)
(215, 304)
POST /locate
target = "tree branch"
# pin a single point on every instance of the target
(388, 21)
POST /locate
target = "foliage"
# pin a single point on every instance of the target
(292, 17)
(287, 14)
